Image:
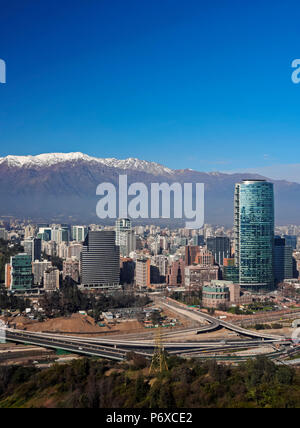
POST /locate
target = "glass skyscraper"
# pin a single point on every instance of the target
(254, 234)
(220, 247)
(283, 260)
(21, 272)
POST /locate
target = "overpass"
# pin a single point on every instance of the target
(85, 349)
(117, 349)
(216, 323)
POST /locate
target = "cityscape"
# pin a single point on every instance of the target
(149, 207)
(227, 294)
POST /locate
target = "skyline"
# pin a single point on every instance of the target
(150, 199)
(146, 80)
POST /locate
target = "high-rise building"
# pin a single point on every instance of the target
(220, 247)
(21, 272)
(175, 277)
(127, 271)
(205, 258)
(142, 273)
(8, 275)
(79, 233)
(75, 250)
(33, 247)
(60, 234)
(100, 260)
(3, 234)
(162, 263)
(29, 231)
(62, 250)
(230, 271)
(125, 237)
(51, 279)
(199, 240)
(254, 233)
(283, 260)
(71, 269)
(191, 254)
(291, 241)
(38, 270)
(44, 233)
(50, 248)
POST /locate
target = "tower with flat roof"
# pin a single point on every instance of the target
(100, 260)
(254, 233)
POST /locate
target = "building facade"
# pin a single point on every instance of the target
(79, 233)
(100, 260)
(21, 272)
(191, 254)
(38, 270)
(33, 248)
(196, 276)
(51, 279)
(175, 277)
(3, 234)
(254, 234)
(283, 260)
(220, 247)
(125, 237)
(230, 271)
(71, 269)
(143, 273)
(215, 295)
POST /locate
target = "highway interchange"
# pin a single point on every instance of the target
(116, 348)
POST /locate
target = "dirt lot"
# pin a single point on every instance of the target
(76, 324)
(214, 335)
(184, 322)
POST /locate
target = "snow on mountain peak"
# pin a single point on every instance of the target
(50, 159)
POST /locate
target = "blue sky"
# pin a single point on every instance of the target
(189, 84)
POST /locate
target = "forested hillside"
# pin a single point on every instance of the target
(188, 384)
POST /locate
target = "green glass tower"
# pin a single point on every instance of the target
(21, 267)
(254, 234)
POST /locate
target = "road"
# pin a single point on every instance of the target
(117, 348)
(194, 315)
(66, 345)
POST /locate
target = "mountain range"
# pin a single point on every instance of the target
(62, 187)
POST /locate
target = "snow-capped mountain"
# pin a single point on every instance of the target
(62, 187)
(50, 159)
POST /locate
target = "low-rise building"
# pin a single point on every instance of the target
(224, 293)
(215, 294)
